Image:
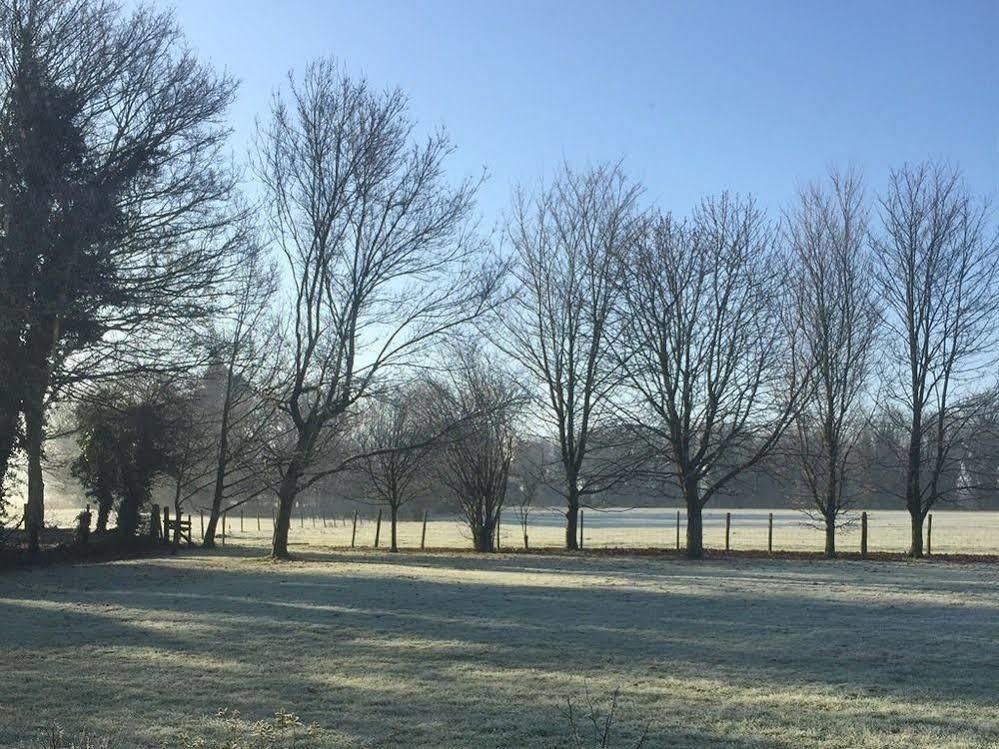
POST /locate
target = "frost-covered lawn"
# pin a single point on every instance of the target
(459, 651)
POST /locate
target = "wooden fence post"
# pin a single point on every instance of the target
(378, 528)
(728, 526)
(353, 533)
(770, 534)
(258, 521)
(863, 534)
(423, 534)
(301, 517)
(929, 535)
(166, 524)
(678, 530)
(240, 521)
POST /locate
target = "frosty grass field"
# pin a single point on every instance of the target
(451, 650)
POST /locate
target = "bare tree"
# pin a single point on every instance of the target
(188, 441)
(838, 323)
(476, 407)
(533, 476)
(378, 253)
(706, 347)
(557, 325)
(395, 441)
(937, 260)
(245, 349)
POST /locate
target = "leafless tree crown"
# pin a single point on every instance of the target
(838, 320)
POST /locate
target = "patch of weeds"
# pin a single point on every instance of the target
(284, 731)
(55, 738)
(593, 727)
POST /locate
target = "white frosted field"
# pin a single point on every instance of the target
(455, 650)
(954, 531)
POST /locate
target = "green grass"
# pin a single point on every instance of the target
(461, 651)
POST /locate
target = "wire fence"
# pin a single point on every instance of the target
(945, 532)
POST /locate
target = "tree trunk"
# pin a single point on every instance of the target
(916, 543)
(10, 389)
(176, 513)
(208, 541)
(482, 538)
(103, 511)
(128, 513)
(572, 521)
(211, 529)
(176, 528)
(33, 439)
(8, 437)
(286, 503)
(393, 517)
(695, 529)
(40, 351)
(913, 492)
(831, 504)
(830, 550)
(221, 464)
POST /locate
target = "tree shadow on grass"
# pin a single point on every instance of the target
(390, 644)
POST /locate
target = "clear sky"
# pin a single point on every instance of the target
(694, 97)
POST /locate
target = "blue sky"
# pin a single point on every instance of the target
(695, 97)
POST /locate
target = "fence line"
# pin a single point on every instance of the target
(970, 532)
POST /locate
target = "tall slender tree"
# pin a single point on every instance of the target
(838, 320)
(245, 345)
(395, 442)
(378, 254)
(557, 324)
(937, 261)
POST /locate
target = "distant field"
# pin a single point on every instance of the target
(450, 651)
(954, 531)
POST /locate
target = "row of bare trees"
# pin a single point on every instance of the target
(686, 351)
(326, 332)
